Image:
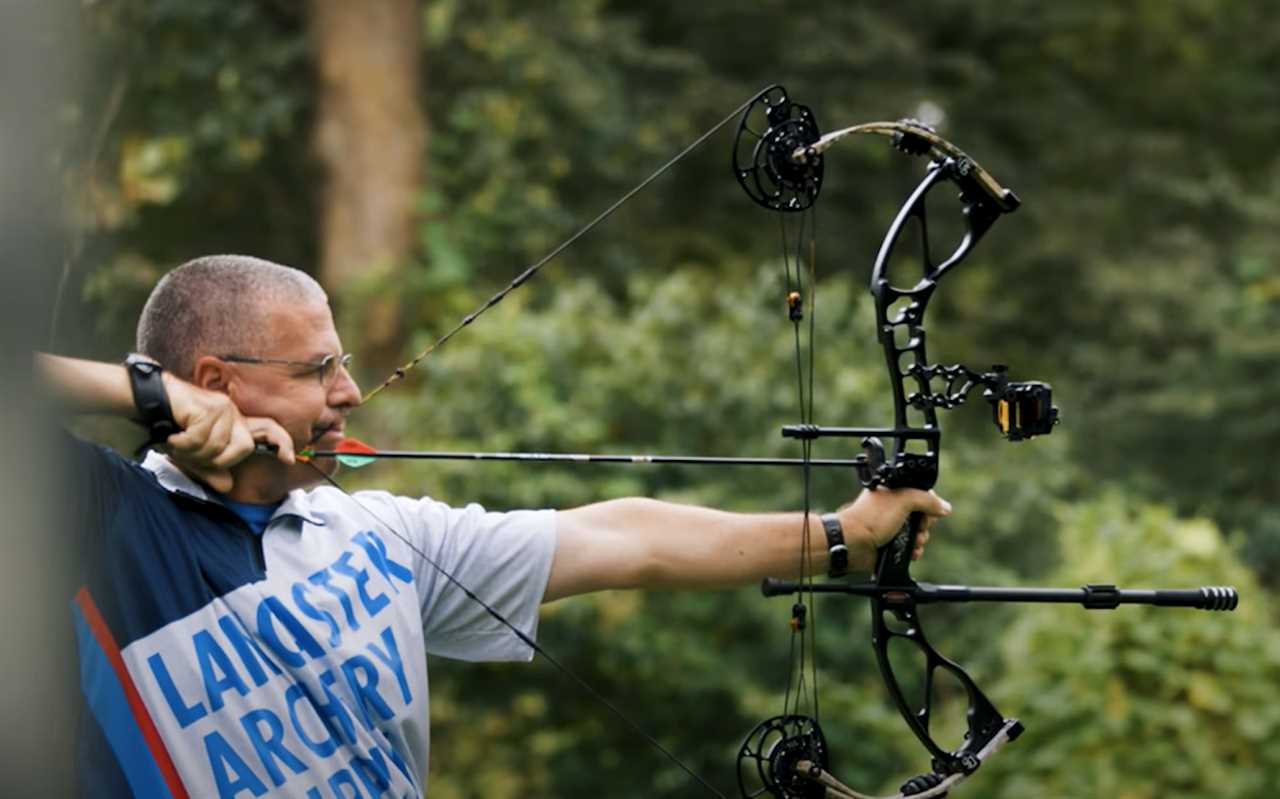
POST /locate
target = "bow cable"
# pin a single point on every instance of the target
(585, 686)
(532, 270)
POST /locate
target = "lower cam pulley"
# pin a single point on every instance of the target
(769, 761)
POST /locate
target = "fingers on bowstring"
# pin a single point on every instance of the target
(239, 446)
(219, 437)
(215, 442)
(276, 439)
(192, 447)
(205, 437)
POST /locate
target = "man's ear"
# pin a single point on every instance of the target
(213, 373)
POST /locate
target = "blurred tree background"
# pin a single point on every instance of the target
(415, 155)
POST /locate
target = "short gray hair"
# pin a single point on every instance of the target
(216, 305)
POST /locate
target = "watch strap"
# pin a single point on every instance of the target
(150, 398)
(837, 552)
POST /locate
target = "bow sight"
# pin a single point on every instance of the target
(778, 159)
(1021, 409)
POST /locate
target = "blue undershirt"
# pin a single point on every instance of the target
(255, 515)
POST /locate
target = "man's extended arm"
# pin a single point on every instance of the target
(645, 543)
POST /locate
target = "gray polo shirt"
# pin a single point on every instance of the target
(298, 667)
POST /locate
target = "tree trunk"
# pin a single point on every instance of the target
(370, 138)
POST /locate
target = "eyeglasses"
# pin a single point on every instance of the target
(325, 369)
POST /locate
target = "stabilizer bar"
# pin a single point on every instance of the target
(1094, 596)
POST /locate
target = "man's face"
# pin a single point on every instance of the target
(310, 408)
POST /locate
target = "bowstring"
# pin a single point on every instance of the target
(812, 215)
(797, 652)
(802, 675)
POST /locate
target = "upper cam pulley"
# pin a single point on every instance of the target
(772, 130)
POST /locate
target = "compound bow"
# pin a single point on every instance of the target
(778, 159)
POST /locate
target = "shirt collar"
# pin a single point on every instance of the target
(298, 503)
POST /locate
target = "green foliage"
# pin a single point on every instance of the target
(191, 137)
(501, 173)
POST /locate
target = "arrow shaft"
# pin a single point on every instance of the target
(568, 457)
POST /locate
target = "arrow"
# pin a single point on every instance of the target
(355, 453)
(350, 450)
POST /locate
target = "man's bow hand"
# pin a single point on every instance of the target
(876, 516)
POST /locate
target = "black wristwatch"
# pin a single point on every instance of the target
(149, 398)
(837, 552)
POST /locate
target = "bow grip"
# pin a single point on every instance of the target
(893, 559)
(907, 470)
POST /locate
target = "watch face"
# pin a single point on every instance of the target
(142, 363)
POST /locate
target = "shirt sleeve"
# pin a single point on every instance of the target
(502, 559)
(98, 478)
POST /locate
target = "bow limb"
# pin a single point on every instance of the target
(917, 139)
(903, 337)
(838, 790)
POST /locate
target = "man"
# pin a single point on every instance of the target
(244, 632)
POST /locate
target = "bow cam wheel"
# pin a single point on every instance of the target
(768, 760)
(772, 129)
